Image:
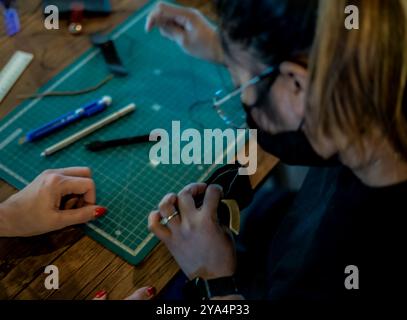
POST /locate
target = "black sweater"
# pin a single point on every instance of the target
(335, 221)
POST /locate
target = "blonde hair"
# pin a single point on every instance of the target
(358, 77)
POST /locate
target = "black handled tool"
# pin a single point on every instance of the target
(110, 54)
(96, 146)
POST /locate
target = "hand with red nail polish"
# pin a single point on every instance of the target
(145, 293)
(100, 212)
(54, 200)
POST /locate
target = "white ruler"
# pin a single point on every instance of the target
(18, 63)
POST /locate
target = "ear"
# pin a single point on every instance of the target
(296, 77)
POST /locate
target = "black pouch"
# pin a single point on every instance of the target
(238, 194)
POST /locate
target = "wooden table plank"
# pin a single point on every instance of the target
(28, 257)
(85, 266)
(53, 49)
(69, 264)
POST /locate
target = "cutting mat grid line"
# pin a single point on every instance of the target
(164, 83)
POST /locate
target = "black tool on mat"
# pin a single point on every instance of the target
(96, 146)
(110, 54)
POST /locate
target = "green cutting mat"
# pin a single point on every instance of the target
(164, 83)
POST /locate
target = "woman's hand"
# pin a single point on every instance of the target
(189, 29)
(200, 245)
(37, 208)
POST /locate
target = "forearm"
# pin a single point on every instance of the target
(9, 219)
(5, 230)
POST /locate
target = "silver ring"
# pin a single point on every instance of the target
(166, 220)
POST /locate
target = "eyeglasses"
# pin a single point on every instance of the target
(228, 108)
(228, 105)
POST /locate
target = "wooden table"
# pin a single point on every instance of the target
(84, 265)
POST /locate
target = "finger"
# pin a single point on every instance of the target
(173, 32)
(72, 217)
(72, 203)
(77, 185)
(151, 20)
(164, 13)
(75, 172)
(186, 197)
(158, 17)
(213, 195)
(168, 207)
(145, 293)
(101, 295)
(167, 204)
(155, 226)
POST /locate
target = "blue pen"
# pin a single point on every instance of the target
(71, 117)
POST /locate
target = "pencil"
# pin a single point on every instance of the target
(87, 131)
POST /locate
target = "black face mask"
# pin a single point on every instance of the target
(292, 147)
(266, 139)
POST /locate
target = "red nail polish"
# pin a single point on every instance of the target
(100, 294)
(99, 212)
(151, 291)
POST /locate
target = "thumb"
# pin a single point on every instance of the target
(145, 293)
(81, 215)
